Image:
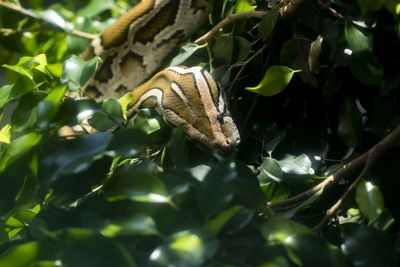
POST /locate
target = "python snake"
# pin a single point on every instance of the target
(133, 49)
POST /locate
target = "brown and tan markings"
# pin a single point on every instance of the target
(135, 47)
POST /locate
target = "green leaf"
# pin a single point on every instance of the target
(370, 5)
(77, 72)
(48, 107)
(12, 258)
(185, 248)
(94, 8)
(268, 23)
(366, 72)
(358, 40)
(138, 183)
(243, 47)
(177, 148)
(5, 134)
(215, 225)
(369, 200)
(53, 18)
(83, 247)
(5, 95)
(243, 6)
(276, 79)
(311, 251)
(270, 169)
(223, 49)
(215, 191)
(27, 65)
(367, 247)
(349, 128)
(137, 224)
(19, 147)
(297, 165)
(185, 52)
(111, 115)
(78, 154)
(278, 230)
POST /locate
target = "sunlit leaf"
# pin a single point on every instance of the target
(5, 134)
(18, 147)
(77, 72)
(243, 5)
(275, 81)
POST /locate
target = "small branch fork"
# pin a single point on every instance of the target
(366, 161)
(285, 11)
(33, 15)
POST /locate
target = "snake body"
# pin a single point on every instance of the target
(135, 47)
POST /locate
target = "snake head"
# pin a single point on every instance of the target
(190, 97)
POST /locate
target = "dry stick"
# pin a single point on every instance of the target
(33, 15)
(379, 149)
(389, 142)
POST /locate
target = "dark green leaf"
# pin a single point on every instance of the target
(138, 224)
(268, 23)
(367, 247)
(138, 184)
(349, 129)
(369, 200)
(186, 52)
(223, 49)
(186, 248)
(215, 191)
(309, 250)
(48, 107)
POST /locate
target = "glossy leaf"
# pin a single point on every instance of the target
(48, 107)
(275, 81)
(77, 72)
(186, 52)
(138, 184)
(357, 39)
(367, 247)
(297, 165)
(270, 169)
(184, 248)
(18, 148)
(370, 200)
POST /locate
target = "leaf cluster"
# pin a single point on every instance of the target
(310, 89)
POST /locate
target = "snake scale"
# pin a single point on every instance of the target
(134, 48)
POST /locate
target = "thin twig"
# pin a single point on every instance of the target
(228, 20)
(33, 15)
(244, 64)
(390, 141)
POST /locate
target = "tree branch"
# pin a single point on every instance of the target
(372, 157)
(29, 13)
(228, 20)
(367, 160)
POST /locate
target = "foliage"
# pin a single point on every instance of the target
(327, 82)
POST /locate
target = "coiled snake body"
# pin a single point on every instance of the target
(133, 49)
